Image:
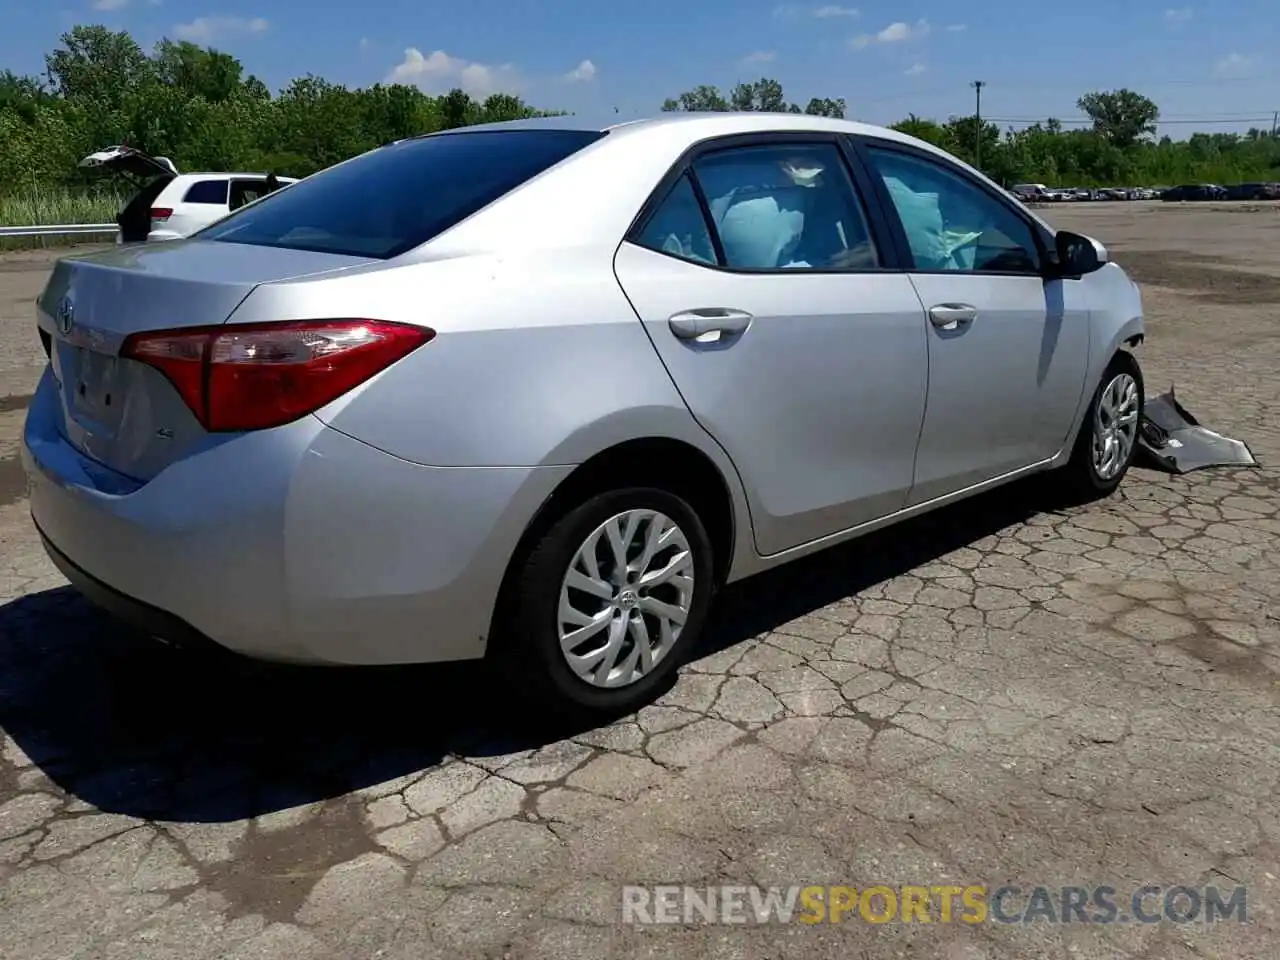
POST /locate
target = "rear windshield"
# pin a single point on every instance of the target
(392, 199)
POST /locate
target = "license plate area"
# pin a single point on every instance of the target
(93, 387)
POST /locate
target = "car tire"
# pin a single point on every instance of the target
(1091, 474)
(531, 655)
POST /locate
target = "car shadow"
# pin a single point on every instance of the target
(128, 726)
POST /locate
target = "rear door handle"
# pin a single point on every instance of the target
(692, 324)
(951, 316)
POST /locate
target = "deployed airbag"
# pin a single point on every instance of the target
(1179, 444)
(933, 245)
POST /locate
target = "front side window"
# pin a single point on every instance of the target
(785, 206)
(952, 224)
(392, 199)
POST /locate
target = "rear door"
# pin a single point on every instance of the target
(770, 293)
(1008, 349)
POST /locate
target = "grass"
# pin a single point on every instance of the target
(50, 205)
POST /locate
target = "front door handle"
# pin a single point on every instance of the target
(692, 324)
(951, 316)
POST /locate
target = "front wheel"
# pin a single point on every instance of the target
(1108, 439)
(608, 603)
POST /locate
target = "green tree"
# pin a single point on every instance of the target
(928, 130)
(762, 96)
(700, 99)
(826, 107)
(197, 71)
(1121, 117)
(457, 109)
(96, 65)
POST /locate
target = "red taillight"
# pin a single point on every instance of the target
(161, 213)
(263, 375)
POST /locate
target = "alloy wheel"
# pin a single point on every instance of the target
(625, 598)
(1115, 426)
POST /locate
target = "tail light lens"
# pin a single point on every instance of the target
(161, 213)
(255, 376)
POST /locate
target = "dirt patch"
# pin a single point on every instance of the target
(1179, 270)
(13, 481)
(274, 872)
(14, 402)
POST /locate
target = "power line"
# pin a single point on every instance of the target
(1268, 118)
(1022, 86)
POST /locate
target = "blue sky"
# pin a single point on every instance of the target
(885, 59)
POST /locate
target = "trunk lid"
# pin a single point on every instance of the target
(129, 161)
(120, 412)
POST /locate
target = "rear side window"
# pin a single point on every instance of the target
(392, 199)
(788, 206)
(678, 226)
(207, 191)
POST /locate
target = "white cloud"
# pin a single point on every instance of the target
(209, 29)
(915, 69)
(826, 11)
(1175, 18)
(582, 73)
(1235, 66)
(760, 56)
(893, 33)
(109, 4)
(438, 71)
(957, 27)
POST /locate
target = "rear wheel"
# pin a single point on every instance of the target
(1108, 438)
(608, 603)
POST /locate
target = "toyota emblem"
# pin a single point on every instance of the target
(66, 316)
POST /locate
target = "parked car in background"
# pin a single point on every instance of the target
(480, 393)
(169, 204)
(1030, 192)
(1194, 191)
(1253, 191)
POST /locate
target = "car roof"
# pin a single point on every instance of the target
(214, 175)
(697, 125)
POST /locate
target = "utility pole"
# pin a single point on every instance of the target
(977, 113)
(1274, 118)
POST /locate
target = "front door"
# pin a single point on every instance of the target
(758, 280)
(1008, 350)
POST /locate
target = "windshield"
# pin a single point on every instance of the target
(392, 199)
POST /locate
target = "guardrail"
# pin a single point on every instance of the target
(59, 230)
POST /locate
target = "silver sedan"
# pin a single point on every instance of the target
(533, 391)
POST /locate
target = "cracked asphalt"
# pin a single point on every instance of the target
(993, 694)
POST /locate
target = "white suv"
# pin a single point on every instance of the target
(168, 204)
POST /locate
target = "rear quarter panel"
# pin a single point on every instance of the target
(538, 360)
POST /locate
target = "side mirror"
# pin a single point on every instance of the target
(1078, 255)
